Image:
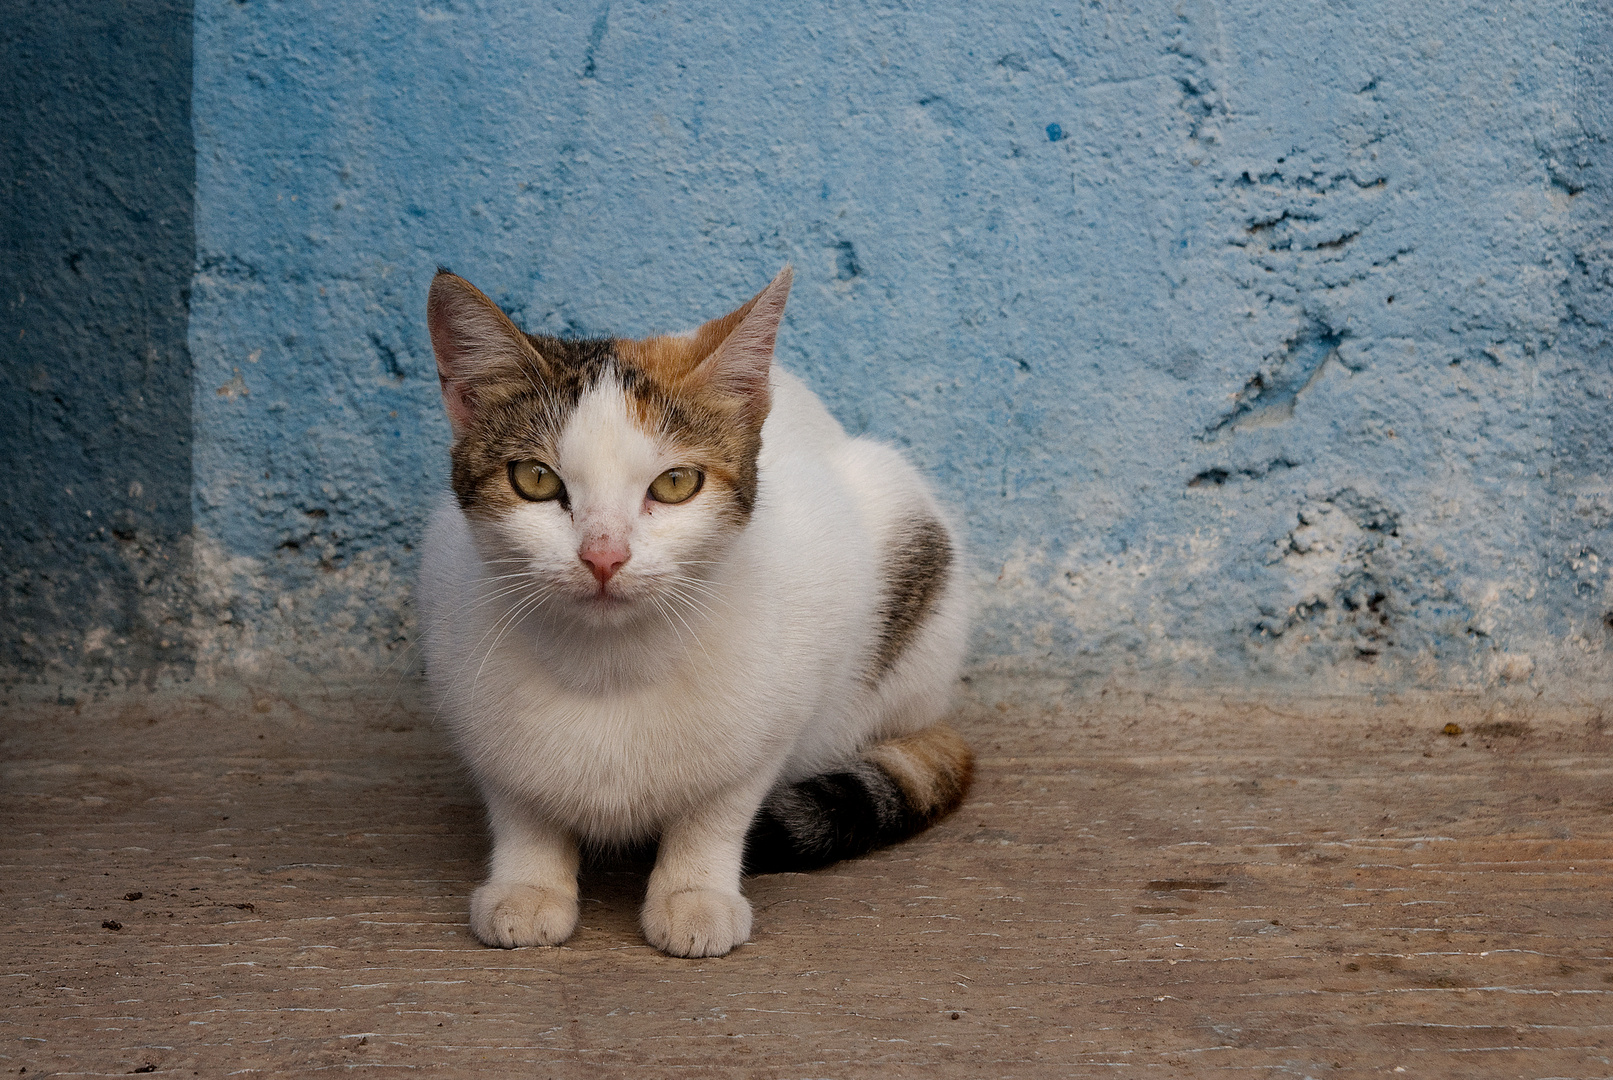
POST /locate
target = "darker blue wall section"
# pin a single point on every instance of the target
(1579, 542)
(95, 404)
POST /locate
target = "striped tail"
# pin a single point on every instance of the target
(893, 790)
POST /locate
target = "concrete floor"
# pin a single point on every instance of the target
(239, 885)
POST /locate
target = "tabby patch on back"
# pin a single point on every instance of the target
(669, 598)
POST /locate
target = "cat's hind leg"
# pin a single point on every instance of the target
(530, 896)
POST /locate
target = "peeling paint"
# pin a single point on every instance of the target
(249, 624)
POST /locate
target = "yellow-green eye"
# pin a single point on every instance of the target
(534, 480)
(676, 485)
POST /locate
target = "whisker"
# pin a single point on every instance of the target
(508, 590)
(673, 611)
(677, 594)
(507, 618)
(471, 604)
(662, 608)
(689, 590)
(519, 613)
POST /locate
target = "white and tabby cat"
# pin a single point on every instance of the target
(670, 598)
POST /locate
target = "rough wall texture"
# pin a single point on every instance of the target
(98, 177)
(1255, 344)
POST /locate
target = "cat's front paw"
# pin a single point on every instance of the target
(508, 915)
(696, 922)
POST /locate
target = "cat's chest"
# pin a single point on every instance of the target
(619, 763)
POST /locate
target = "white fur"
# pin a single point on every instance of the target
(725, 663)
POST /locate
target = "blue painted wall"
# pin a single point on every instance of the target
(1257, 345)
(96, 185)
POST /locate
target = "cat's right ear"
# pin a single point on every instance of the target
(474, 341)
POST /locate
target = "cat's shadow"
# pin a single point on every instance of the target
(611, 887)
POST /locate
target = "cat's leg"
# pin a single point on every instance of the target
(693, 906)
(530, 896)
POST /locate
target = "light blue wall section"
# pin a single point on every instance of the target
(1256, 344)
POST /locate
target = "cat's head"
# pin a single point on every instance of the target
(608, 473)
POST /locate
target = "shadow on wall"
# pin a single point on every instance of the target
(95, 373)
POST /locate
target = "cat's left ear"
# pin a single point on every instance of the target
(738, 368)
(474, 342)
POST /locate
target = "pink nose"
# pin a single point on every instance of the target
(604, 559)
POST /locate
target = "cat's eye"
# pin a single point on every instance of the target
(676, 485)
(534, 480)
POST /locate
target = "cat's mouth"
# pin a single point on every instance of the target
(605, 598)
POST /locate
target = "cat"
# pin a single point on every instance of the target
(671, 599)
